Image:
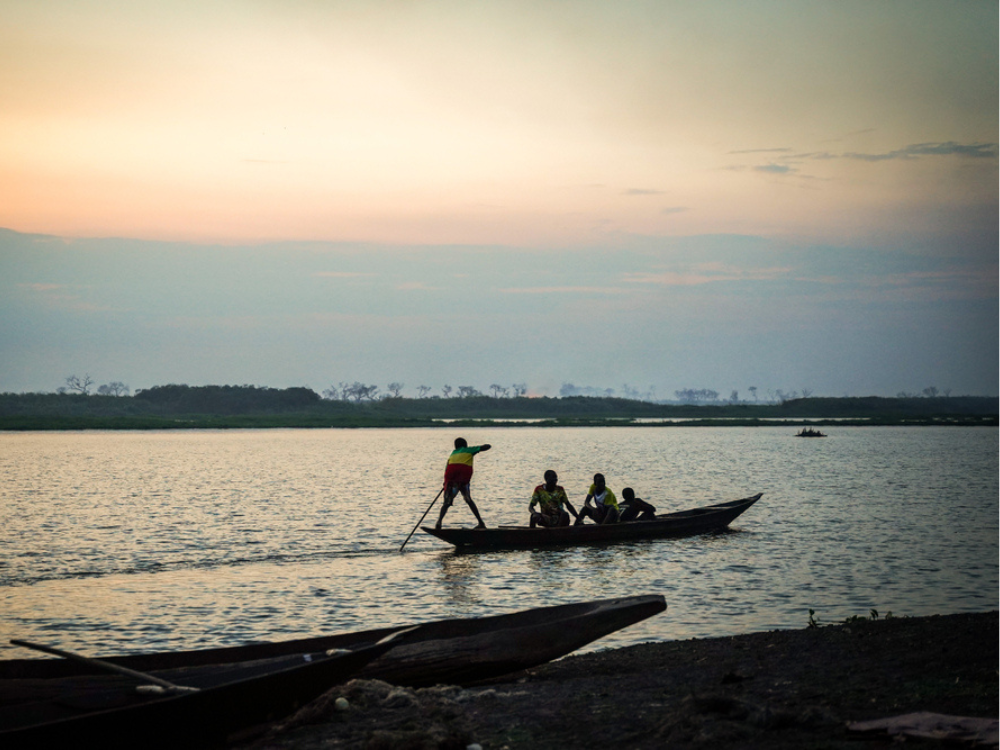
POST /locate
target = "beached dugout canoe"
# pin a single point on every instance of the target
(112, 711)
(666, 525)
(458, 651)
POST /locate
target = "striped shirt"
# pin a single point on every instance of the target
(459, 468)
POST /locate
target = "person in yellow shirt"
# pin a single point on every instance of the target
(605, 507)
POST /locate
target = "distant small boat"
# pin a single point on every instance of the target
(682, 523)
(809, 432)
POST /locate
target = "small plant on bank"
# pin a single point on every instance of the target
(873, 615)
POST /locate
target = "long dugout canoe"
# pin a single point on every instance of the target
(453, 651)
(666, 525)
(111, 712)
(46, 701)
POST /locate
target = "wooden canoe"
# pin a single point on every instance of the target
(460, 651)
(682, 523)
(109, 711)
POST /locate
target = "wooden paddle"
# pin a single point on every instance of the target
(422, 517)
(108, 666)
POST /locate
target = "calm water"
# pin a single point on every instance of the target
(138, 541)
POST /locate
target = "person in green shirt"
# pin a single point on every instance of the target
(550, 499)
(458, 475)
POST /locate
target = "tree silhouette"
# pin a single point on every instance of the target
(114, 388)
(80, 385)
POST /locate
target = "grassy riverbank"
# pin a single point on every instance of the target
(246, 407)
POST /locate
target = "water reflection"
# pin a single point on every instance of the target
(458, 576)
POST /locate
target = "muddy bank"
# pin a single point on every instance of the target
(782, 689)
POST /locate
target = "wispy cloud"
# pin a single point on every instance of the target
(642, 191)
(674, 210)
(948, 148)
(707, 273)
(563, 290)
(774, 168)
(341, 274)
(65, 297)
(762, 151)
(786, 164)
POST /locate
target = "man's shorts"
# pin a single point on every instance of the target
(452, 489)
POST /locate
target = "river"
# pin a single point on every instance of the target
(134, 541)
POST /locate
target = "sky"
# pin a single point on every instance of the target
(781, 194)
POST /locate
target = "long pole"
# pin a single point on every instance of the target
(422, 517)
(101, 664)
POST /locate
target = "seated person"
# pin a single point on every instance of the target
(634, 508)
(605, 508)
(550, 499)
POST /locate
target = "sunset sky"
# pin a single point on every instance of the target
(782, 194)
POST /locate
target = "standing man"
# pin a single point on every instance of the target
(457, 475)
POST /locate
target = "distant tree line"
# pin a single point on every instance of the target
(183, 406)
(931, 392)
(227, 399)
(83, 385)
(358, 392)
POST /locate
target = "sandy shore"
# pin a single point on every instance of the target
(782, 689)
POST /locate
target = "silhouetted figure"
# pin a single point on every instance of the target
(634, 508)
(458, 475)
(605, 508)
(550, 499)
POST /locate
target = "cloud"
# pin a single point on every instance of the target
(762, 151)
(785, 162)
(642, 191)
(67, 297)
(707, 273)
(948, 148)
(674, 209)
(563, 290)
(774, 168)
(341, 274)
